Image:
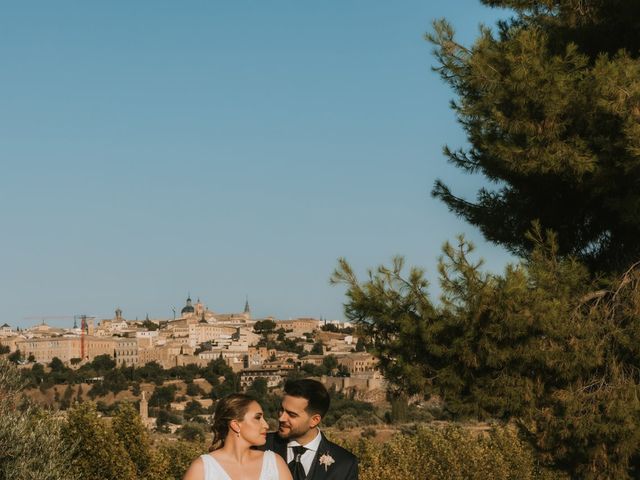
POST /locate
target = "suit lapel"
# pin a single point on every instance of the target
(280, 447)
(318, 472)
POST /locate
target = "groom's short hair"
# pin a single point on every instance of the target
(313, 391)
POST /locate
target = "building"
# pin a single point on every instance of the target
(5, 331)
(273, 376)
(358, 362)
(126, 352)
(45, 349)
(299, 326)
(204, 331)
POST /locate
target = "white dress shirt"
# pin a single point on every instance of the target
(307, 457)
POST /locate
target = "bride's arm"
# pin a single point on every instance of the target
(196, 470)
(283, 470)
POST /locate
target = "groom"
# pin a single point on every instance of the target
(299, 441)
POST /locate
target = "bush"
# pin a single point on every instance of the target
(363, 412)
(98, 453)
(192, 432)
(31, 443)
(181, 453)
(450, 453)
(15, 357)
(163, 396)
(192, 409)
(194, 390)
(368, 432)
(346, 422)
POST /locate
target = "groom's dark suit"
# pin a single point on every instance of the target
(345, 466)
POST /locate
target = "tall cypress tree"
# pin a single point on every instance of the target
(550, 102)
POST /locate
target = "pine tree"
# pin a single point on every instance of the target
(550, 103)
(538, 345)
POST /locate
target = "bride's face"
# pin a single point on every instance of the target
(253, 427)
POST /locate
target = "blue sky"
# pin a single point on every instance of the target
(156, 148)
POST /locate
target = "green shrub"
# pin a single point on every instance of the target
(31, 443)
(181, 453)
(192, 432)
(450, 453)
(368, 432)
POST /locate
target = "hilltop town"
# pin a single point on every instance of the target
(265, 348)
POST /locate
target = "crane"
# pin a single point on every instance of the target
(42, 318)
(84, 330)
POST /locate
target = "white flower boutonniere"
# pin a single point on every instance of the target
(326, 460)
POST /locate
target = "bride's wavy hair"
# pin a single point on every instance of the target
(231, 407)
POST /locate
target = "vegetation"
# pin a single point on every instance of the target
(15, 357)
(537, 344)
(332, 327)
(181, 453)
(31, 442)
(98, 452)
(450, 453)
(116, 379)
(549, 103)
(134, 437)
(149, 325)
(264, 327)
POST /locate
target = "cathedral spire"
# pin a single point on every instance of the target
(247, 309)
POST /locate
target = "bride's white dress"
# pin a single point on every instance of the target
(214, 471)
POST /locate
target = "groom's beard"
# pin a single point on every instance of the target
(287, 432)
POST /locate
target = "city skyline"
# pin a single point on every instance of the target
(223, 150)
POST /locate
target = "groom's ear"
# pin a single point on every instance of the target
(314, 420)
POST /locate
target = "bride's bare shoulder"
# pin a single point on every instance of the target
(196, 470)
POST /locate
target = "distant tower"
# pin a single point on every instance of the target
(247, 309)
(118, 314)
(90, 325)
(199, 308)
(144, 407)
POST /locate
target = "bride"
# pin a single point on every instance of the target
(238, 425)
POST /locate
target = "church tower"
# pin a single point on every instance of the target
(144, 407)
(188, 309)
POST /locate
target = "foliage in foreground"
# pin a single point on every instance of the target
(35, 446)
(450, 453)
(538, 344)
(31, 445)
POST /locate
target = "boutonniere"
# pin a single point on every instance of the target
(326, 460)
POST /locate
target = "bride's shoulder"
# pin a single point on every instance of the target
(196, 470)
